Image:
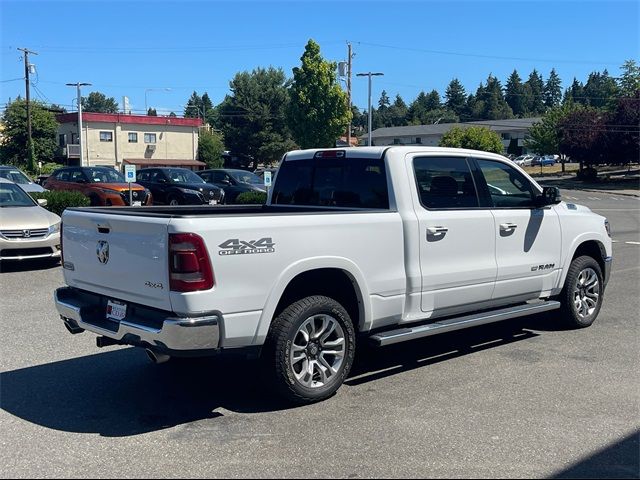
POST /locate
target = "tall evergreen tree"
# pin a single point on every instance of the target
(601, 90)
(318, 111)
(534, 91)
(455, 97)
(495, 106)
(553, 90)
(575, 93)
(629, 81)
(384, 101)
(398, 112)
(193, 108)
(433, 100)
(515, 94)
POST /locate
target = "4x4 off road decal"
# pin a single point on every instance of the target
(242, 247)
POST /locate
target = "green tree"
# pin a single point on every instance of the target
(253, 117)
(211, 148)
(384, 101)
(100, 103)
(44, 128)
(398, 112)
(318, 112)
(623, 130)
(151, 112)
(515, 94)
(475, 138)
(582, 136)
(433, 100)
(629, 81)
(193, 107)
(534, 94)
(575, 93)
(455, 97)
(544, 136)
(552, 90)
(601, 90)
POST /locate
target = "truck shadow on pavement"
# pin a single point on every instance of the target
(120, 393)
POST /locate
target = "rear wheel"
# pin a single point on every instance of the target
(173, 200)
(583, 291)
(310, 349)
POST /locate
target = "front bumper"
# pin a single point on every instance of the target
(29, 249)
(142, 327)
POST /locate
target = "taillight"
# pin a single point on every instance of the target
(329, 154)
(189, 265)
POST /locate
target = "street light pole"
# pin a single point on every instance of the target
(146, 109)
(369, 74)
(79, 96)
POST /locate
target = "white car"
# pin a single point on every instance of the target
(18, 176)
(524, 160)
(371, 244)
(27, 231)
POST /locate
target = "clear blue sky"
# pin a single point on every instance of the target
(126, 48)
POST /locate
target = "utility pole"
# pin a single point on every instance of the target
(30, 150)
(78, 85)
(349, 57)
(369, 74)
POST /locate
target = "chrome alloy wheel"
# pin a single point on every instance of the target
(586, 292)
(317, 351)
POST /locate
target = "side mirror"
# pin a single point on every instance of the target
(162, 180)
(42, 202)
(550, 196)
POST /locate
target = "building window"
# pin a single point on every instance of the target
(149, 138)
(74, 139)
(133, 138)
(106, 136)
(396, 141)
(419, 140)
(62, 140)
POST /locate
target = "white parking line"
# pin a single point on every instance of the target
(632, 243)
(614, 241)
(593, 198)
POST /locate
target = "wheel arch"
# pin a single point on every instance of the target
(335, 277)
(592, 247)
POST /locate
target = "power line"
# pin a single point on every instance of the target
(497, 57)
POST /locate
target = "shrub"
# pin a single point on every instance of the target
(252, 198)
(58, 200)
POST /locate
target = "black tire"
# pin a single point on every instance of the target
(173, 200)
(580, 315)
(276, 354)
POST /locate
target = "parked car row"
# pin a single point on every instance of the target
(532, 160)
(105, 186)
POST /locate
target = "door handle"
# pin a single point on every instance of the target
(436, 230)
(504, 227)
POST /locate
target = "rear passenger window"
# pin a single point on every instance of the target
(445, 182)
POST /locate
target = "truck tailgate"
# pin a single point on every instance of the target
(120, 256)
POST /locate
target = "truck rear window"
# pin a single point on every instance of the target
(334, 182)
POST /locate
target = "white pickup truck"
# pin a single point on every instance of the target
(377, 244)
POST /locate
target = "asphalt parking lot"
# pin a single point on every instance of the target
(518, 399)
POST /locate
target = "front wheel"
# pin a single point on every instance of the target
(310, 349)
(583, 291)
(173, 201)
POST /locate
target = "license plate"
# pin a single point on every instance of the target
(116, 310)
(213, 202)
(137, 203)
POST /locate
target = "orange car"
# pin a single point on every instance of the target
(103, 185)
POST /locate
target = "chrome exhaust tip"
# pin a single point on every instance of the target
(156, 357)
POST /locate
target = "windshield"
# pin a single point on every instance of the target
(182, 175)
(246, 177)
(13, 196)
(104, 175)
(15, 175)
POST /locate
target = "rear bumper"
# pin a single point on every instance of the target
(142, 327)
